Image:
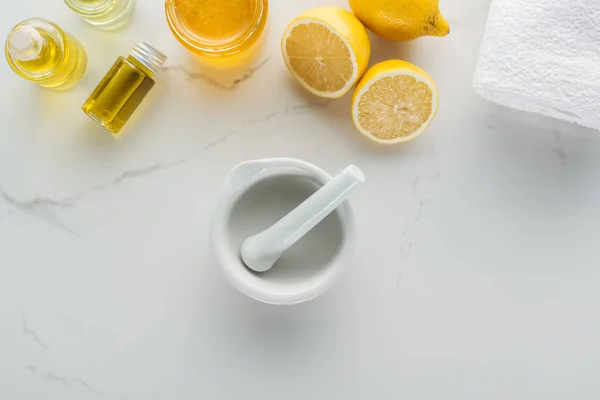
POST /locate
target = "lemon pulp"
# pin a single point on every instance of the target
(319, 57)
(395, 101)
(326, 49)
(395, 107)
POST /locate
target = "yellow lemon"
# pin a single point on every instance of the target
(394, 102)
(401, 20)
(326, 49)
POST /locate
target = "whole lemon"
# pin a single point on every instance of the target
(401, 20)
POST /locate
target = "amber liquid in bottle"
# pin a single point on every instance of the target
(124, 87)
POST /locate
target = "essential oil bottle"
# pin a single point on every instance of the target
(104, 14)
(124, 87)
(39, 51)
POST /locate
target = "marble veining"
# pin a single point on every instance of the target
(407, 240)
(205, 77)
(69, 382)
(27, 331)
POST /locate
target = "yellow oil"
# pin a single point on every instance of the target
(105, 14)
(124, 87)
(93, 3)
(55, 60)
(220, 32)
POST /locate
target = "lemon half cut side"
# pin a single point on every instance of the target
(394, 102)
(326, 50)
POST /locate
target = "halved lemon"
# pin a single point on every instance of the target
(395, 101)
(326, 49)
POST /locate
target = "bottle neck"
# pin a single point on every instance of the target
(25, 43)
(148, 56)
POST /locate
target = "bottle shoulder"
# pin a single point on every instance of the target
(134, 64)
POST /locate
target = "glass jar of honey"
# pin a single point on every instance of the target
(222, 33)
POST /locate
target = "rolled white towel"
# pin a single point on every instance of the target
(543, 56)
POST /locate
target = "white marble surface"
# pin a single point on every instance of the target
(476, 273)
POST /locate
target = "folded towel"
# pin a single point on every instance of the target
(543, 56)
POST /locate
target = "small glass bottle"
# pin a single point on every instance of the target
(39, 51)
(124, 87)
(104, 14)
(221, 33)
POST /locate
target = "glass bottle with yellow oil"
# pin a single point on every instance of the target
(41, 52)
(221, 33)
(124, 87)
(104, 14)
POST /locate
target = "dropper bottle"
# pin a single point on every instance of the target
(124, 87)
(41, 52)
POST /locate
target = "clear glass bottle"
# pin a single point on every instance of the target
(221, 33)
(41, 52)
(124, 87)
(105, 14)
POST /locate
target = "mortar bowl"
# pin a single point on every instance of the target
(258, 193)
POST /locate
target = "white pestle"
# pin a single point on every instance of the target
(261, 251)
